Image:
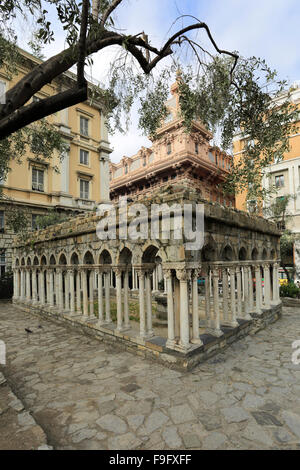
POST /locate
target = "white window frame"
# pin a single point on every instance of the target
(39, 184)
(84, 129)
(83, 193)
(85, 153)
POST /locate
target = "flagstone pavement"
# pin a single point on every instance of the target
(85, 394)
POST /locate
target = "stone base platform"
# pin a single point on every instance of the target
(155, 347)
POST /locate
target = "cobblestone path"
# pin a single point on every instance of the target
(87, 395)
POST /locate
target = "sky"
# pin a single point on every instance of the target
(264, 28)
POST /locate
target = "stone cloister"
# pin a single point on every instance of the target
(67, 273)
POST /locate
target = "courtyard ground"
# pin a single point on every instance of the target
(85, 394)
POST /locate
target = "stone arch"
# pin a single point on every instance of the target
(43, 260)
(149, 254)
(208, 252)
(88, 258)
(74, 258)
(273, 254)
(23, 262)
(125, 256)
(227, 253)
(242, 254)
(28, 261)
(264, 254)
(254, 254)
(17, 262)
(62, 259)
(52, 259)
(105, 257)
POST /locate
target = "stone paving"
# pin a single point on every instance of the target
(88, 395)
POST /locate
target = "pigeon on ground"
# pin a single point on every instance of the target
(28, 330)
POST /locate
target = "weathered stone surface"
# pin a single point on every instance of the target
(181, 414)
(112, 423)
(71, 407)
(293, 421)
(265, 419)
(191, 441)
(154, 421)
(235, 414)
(210, 420)
(171, 437)
(253, 432)
(214, 440)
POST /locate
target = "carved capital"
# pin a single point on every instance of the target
(183, 274)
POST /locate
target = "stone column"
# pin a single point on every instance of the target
(84, 293)
(258, 289)
(149, 304)
(18, 284)
(195, 309)
(215, 329)
(100, 298)
(276, 297)
(22, 285)
(207, 298)
(267, 286)
(107, 297)
(171, 318)
(28, 293)
(246, 315)
(251, 302)
(60, 289)
(225, 295)
(51, 290)
(184, 341)
(141, 276)
(239, 292)
(72, 292)
(91, 289)
(118, 274)
(67, 290)
(15, 295)
(34, 287)
(232, 320)
(78, 292)
(42, 286)
(126, 301)
(133, 279)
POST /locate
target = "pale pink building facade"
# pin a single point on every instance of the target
(175, 157)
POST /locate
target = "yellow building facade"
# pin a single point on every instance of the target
(74, 182)
(284, 175)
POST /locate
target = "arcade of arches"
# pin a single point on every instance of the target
(232, 281)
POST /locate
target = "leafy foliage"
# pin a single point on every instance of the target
(249, 101)
(41, 139)
(51, 218)
(290, 290)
